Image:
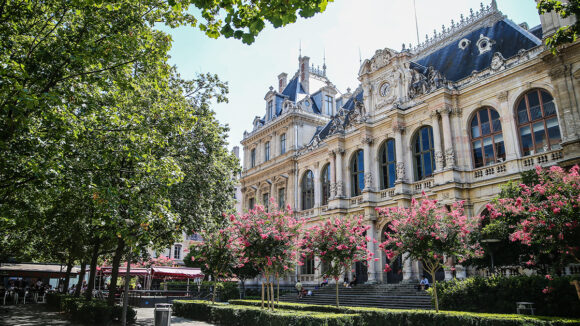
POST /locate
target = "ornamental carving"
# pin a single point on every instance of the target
(425, 83)
(339, 189)
(400, 171)
(332, 190)
(497, 61)
(381, 58)
(439, 160)
(368, 180)
(449, 157)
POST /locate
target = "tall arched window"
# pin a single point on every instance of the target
(537, 123)
(424, 159)
(486, 138)
(357, 172)
(388, 164)
(308, 190)
(325, 178)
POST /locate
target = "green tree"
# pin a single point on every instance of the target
(565, 34)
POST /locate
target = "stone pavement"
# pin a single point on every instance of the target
(39, 315)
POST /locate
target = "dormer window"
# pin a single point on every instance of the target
(270, 110)
(463, 44)
(328, 105)
(484, 44)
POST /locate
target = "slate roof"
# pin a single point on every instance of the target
(455, 63)
(537, 31)
(290, 89)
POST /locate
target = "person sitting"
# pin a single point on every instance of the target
(346, 283)
(303, 293)
(324, 282)
(309, 293)
(424, 284)
(353, 282)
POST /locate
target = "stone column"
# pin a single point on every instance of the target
(339, 179)
(372, 248)
(271, 195)
(439, 160)
(407, 268)
(367, 141)
(317, 186)
(447, 139)
(508, 127)
(331, 154)
(399, 153)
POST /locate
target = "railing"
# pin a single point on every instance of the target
(572, 269)
(422, 185)
(542, 158)
(306, 213)
(387, 193)
(489, 171)
(356, 200)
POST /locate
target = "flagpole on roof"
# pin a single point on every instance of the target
(416, 24)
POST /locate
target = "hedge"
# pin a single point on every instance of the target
(226, 290)
(247, 312)
(91, 312)
(500, 294)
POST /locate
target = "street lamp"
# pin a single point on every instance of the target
(489, 242)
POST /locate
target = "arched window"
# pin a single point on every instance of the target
(388, 164)
(325, 178)
(537, 123)
(424, 159)
(308, 190)
(486, 138)
(357, 172)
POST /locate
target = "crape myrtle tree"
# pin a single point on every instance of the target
(430, 234)
(218, 255)
(270, 241)
(338, 242)
(543, 215)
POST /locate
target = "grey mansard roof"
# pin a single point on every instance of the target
(455, 63)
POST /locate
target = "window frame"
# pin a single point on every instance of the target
(383, 153)
(355, 174)
(283, 143)
(281, 198)
(252, 157)
(530, 122)
(325, 179)
(328, 104)
(431, 151)
(267, 151)
(270, 109)
(176, 252)
(493, 133)
(307, 190)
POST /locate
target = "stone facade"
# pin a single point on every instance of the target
(396, 100)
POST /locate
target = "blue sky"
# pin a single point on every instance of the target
(344, 28)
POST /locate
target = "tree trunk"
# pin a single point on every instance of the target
(92, 275)
(215, 283)
(273, 298)
(69, 266)
(243, 292)
(126, 292)
(262, 294)
(432, 272)
(81, 278)
(115, 271)
(337, 304)
(278, 290)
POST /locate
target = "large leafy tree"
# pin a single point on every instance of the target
(565, 34)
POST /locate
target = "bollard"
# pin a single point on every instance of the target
(162, 314)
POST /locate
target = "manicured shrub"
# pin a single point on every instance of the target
(246, 312)
(89, 312)
(500, 294)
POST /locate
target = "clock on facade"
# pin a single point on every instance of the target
(384, 90)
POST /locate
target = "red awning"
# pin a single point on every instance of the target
(176, 272)
(123, 271)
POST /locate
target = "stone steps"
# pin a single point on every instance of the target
(393, 296)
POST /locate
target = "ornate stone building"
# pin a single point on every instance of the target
(455, 117)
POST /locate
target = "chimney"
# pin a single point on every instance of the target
(236, 151)
(551, 22)
(305, 73)
(282, 81)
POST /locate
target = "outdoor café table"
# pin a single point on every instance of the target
(523, 307)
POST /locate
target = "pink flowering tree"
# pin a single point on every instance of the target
(544, 214)
(270, 241)
(338, 242)
(429, 233)
(218, 255)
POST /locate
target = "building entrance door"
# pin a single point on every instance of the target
(361, 272)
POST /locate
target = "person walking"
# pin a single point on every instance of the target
(299, 289)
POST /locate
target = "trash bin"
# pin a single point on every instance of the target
(163, 314)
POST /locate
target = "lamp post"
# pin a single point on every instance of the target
(489, 242)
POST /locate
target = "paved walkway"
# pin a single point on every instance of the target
(39, 315)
